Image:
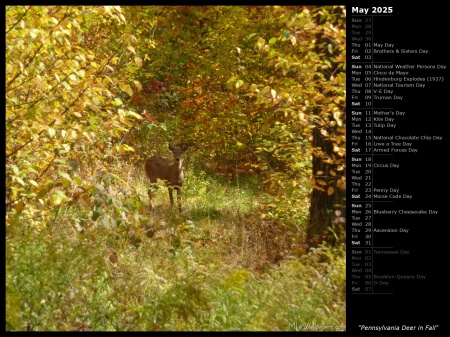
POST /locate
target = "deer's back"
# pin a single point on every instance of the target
(158, 167)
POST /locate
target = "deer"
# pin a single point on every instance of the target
(171, 171)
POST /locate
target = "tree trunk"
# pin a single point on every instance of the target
(323, 206)
(328, 164)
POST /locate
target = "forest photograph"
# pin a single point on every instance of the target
(175, 168)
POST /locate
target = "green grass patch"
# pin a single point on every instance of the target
(208, 268)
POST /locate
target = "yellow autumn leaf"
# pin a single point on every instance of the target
(138, 85)
(261, 42)
(120, 149)
(274, 93)
(126, 88)
(67, 86)
(51, 132)
(133, 114)
(19, 206)
(33, 182)
(324, 133)
(330, 190)
(293, 40)
(41, 193)
(73, 135)
(138, 61)
(20, 181)
(107, 80)
(337, 117)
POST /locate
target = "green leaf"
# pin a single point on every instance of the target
(65, 175)
(95, 215)
(15, 169)
(118, 101)
(57, 199)
(286, 34)
(20, 181)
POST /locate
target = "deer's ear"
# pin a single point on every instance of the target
(184, 147)
(171, 148)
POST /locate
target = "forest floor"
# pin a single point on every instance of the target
(216, 266)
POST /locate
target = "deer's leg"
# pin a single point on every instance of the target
(179, 198)
(171, 195)
(150, 199)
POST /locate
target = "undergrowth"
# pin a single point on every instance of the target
(216, 266)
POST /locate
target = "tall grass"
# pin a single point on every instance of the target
(208, 268)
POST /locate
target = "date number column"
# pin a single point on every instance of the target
(361, 247)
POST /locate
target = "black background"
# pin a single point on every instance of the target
(413, 303)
